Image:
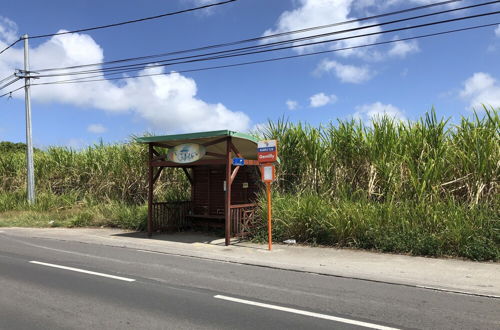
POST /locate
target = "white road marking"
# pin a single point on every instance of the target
(301, 312)
(84, 271)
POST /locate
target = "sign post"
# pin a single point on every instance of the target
(269, 223)
(267, 152)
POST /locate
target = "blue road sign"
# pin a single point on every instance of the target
(266, 149)
(238, 161)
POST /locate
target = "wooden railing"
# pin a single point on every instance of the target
(242, 219)
(175, 216)
(170, 216)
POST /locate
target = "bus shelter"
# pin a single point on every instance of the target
(222, 195)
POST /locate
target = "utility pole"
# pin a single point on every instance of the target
(29, 141)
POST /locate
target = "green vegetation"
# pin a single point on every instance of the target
(433, 229)
(103, 185)
(12, 147)
(424, 187)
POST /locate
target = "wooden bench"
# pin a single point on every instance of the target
(207, 220)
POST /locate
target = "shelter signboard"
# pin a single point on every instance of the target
(186, 153)
(267, 151)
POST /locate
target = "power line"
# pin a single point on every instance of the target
(12, 91)
(11, 45)
(124, 22)
(234, 52)
(135, 20)
(10, 83)
(137, 67)
(85, 79)
(233, 43)
(7, 78)
(81, 80)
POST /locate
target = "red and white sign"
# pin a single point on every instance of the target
(267, 151)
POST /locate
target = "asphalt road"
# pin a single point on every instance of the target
(52, 284)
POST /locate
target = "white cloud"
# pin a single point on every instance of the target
(96, 128)
(346, 73)
(377, 110)
(321, 99)
(167, 101)
(76, 144)
(206, 11)
(497, 31)
(403, 48)
(292, 105)
(309, 13)
(8, 30)
(203, 2)
(322, 12)
(376, 4)
(481, 89)
(258, 128)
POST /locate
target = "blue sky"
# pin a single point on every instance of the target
(452, 73)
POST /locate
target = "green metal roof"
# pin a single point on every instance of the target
(246, 144)
(195, 136)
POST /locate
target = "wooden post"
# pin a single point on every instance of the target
(227, 204)
(150, 190)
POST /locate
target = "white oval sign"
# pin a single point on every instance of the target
(186, 153)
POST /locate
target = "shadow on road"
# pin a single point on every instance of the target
(191, 237)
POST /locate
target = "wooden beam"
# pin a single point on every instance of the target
(235, 172)
(156, 153)
(227, 202)
(157, 175)
(159, 163)
(190, 179)
(161, 144)
(235, 150)
(251, 162)
(150, 192)
(214, 154)
(240, 206)
(214, 142)
(193, 192)
(159, 157)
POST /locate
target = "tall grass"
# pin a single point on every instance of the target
(433, 229)
(427, 187)
(102, 185)
(390, 160)
(100, 172)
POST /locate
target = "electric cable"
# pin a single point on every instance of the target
(81, 80)
(9, 46)
(123, 23)
(266, 37)
(12, 91)
(10, 83)
(134, 21)
(138, 67)
(7, 78)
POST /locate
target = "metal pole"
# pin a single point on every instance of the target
(29, 140)
(269, 221)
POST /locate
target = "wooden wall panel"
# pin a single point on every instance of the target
(209, 188)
